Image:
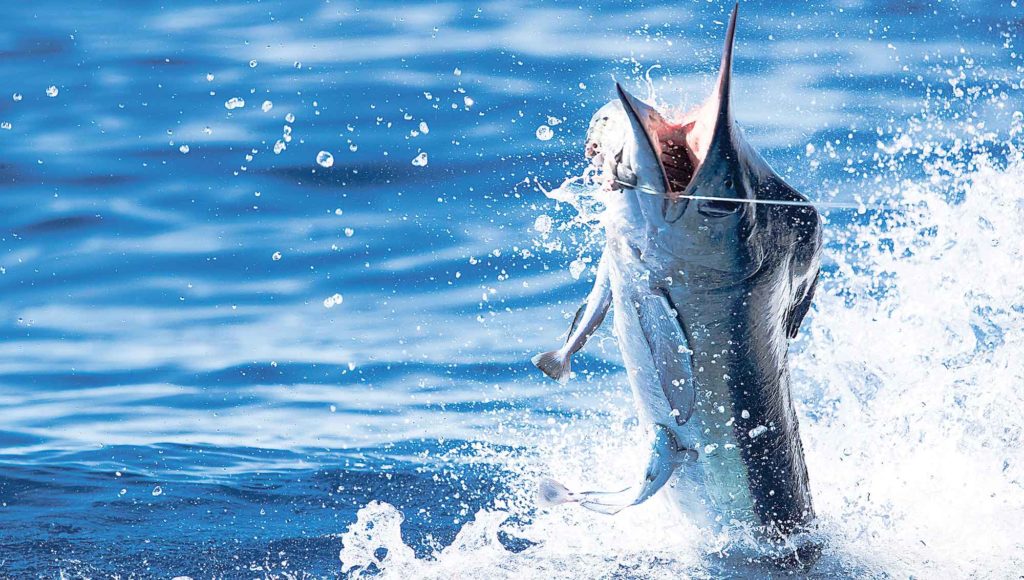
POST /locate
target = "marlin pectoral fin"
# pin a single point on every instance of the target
(588, 319)
(666, 456)
(671, 355)
(799, 311)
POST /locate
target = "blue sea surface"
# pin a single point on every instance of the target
(216, 351)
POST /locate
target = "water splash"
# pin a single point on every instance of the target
(907, 380)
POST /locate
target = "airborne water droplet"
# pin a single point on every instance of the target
(542, 224)
(267, 105)
(157, 491)
(52, 91)
(324, 159)
(332, 301)
(234, 103)
(183, 149)
(544, 133)
(420, 160)
(576, 269)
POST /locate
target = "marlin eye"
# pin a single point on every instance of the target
(718, 209)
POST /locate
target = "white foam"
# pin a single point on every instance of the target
(908, 384)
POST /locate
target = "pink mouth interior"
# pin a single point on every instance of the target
(685, 146)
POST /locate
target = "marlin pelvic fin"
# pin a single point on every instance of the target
(666, 456)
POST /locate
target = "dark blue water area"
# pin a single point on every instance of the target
(180, 396)
(217, 511)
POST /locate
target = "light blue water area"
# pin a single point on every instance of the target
(176, 396)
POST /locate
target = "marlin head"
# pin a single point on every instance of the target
(706, 192)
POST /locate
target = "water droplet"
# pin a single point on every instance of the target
(332, 301)
(468, 101)
(349, 232)
(16, 96)
(297, 64)
(353, 147)
(420, 160)
(554, 121)
(157, 491)
(290, 118)
(745, 414)
(234, 103)
(424, 128)
(576, 268)
(276, 256)
(542, 224)
(757, 431)
(209, 77)
(6, 125)
(252, 64)
(267, 105)
(183, 148)
(544, 133)
(324, 159)
(52, 91)
(207, 131)
(279, 146)
(457, 72)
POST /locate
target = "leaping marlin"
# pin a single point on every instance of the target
(711, 262)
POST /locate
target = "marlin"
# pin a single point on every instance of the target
(710, 265)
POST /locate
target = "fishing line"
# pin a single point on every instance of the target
(825, 204)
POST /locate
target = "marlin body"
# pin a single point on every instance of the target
(711, 262)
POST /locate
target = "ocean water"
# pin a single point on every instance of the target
(223, 358)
